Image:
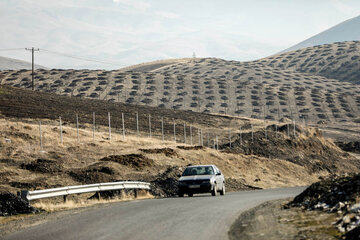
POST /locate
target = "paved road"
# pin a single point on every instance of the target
(199, 217)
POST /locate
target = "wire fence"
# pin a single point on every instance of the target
(165, 129)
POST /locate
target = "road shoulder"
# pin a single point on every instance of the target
(270, 221)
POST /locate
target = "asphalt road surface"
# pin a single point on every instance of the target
(199, 217)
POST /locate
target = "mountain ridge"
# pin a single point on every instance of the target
(16, 64)
(348, 30)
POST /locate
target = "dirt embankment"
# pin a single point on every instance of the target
(338, 195)
(302, 146)
(328, 209)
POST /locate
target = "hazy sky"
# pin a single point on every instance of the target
(128, 32)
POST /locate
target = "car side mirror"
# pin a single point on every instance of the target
(219, 173)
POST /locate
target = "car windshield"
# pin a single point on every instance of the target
(205, 170)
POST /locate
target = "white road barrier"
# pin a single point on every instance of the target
(98, 187)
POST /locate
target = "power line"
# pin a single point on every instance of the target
(80, 58)
(10, 49)
(65, 55)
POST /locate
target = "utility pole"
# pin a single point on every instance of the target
(32, 64)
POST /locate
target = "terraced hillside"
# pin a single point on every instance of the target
(339, 60)
(259, 89)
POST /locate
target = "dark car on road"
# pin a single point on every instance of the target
(201, 179)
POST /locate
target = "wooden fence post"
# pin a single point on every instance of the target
(93, 126)
(174, 130)
(199, 135)
(191, 141)
(149, 125)
(265, 129)
(123, 125)
(77, 128)
(217, 143)
(162, 128)
(109, 126)
(230, 138)
(288, 130)
(41, 139)
(184, 133)
(61, 133)
(208, 139)
(252, 133)
(137, 124)
(240, 136)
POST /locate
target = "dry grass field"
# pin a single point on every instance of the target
(317, 85)
(23, 165)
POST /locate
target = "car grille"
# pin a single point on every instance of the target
(193, 182)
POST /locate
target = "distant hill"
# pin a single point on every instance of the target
(339, 60)
(153, 65)
(15, 64)
(291, 85)
(348, 30)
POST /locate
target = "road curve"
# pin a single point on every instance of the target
(199, 217)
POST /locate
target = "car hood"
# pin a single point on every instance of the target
(196, 177)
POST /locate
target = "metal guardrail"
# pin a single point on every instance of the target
(98, 187)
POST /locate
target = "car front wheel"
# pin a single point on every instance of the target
(222, 192)
(214, 191)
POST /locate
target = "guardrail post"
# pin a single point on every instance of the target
(65, 198)
(97, 195)
(23, 195)
(135, 193)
